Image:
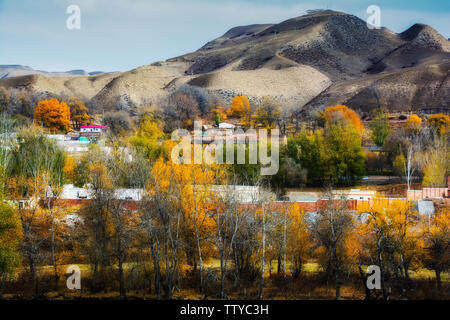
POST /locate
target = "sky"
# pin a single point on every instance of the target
(119, 35)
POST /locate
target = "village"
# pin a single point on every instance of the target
(133, 197)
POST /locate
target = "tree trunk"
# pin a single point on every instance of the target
(336, 273)
(263, 245)
(121, 280)
(364, 281)
(438, 279)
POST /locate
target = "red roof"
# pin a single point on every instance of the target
(91, 127)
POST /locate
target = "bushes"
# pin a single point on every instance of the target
(119, 122)
(179, 110)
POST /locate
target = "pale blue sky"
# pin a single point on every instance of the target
(118, 35)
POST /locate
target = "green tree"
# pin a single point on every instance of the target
(380, 127)
(344, 155)
(333, 155)
(311, 155)
(37, 155)
(147, 137)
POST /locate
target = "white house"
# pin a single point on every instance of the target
(92, 129)
(226, 125)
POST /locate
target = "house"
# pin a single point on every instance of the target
(92, 129)
(226, 125)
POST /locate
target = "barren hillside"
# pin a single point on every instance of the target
(314, 60)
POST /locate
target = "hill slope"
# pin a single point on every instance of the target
(317, 59)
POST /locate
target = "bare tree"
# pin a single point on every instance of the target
(227, 220)
(331, 226)
(264, 197)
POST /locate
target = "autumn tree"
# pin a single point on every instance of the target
(38, 171)
(162, 216)
(203, 98)
(414, 124)
(4, 99)
(34, 224)
(179, 110)
(118, 122)
(331, 229)
(345, 159)
(123, 220)
(390, 224)
(23, 101)
(53, 114)
(436, 234)
(289, 238)
(78, 112)
(228, 220)
(69, 169)
(147, 137)
(9, 240)
(439, 123)
(435, 163)
(296, 239)
(268, 112)
(343, 116)
(97, 222)
(219, 114)
(240, 108)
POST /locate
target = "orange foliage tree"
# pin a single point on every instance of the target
(240, 108)
(53, 114)
(343, 114)
(79, 113)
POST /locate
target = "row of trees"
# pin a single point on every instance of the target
(328, 152)
(56, 113)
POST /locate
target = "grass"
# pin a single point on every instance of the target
(309, 267)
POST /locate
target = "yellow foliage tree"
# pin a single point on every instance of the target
(220, 114)
(53, 114)
(147, 137)
(435, 164)
(436, 237)
(440, 123)
(393, 241)
(298, 238)
(413, 124)
(69, 168)
(190, 188)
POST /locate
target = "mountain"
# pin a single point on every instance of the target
(319, 59)
(14, 70)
